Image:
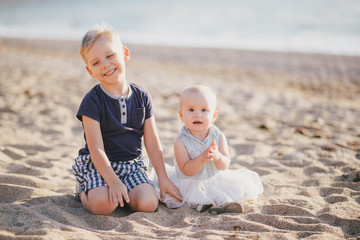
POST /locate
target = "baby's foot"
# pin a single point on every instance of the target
(203, 207)
(232, 207)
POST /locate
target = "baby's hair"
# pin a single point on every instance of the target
(199, 89)
(94, 34)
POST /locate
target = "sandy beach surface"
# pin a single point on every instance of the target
(293, 118)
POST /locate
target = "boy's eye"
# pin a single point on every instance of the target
(191, 110)
(110, 56)
(204, 110)
(95, 63)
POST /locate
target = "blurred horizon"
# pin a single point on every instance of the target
(322, 26)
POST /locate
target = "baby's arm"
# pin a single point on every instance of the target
(220, 154)
(155, 153)
(189, 166)
(117, 190)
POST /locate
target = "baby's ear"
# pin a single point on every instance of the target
(126, 54)
(180, 115)
(214, 116)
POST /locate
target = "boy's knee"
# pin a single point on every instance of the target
(148, 204)
(100, 206)
(101, 210)
(143, 198)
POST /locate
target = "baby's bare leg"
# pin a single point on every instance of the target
(143, 198)
(97, 201)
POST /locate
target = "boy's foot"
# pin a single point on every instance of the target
(232, 207)
(203, 207)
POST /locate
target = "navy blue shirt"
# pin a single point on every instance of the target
(121, 120)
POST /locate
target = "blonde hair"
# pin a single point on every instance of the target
(200, 89)
(94, 34)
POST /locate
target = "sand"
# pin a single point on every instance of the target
(293, 118)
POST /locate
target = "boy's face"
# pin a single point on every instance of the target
(197, 111)
(105, 61)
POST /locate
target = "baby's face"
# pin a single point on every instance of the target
(197, 111)
(105, 60)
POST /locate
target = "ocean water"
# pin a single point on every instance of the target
(318, 26)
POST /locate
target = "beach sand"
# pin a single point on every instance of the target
(293, 118)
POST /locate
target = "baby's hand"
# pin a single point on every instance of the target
(214, 153)
(213, 145)
(211, 152)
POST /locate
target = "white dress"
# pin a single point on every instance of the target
(209, 185)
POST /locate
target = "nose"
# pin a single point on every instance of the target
(197, 113)
(106, 63)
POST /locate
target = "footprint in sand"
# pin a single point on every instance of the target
(332, 163)
(24, 169)
(21, 151)
(332, 194)
(14, 153)
(336, 199)
(326, 191)
(353, 176)
(261, 171)
(244, 149)
(41, 164)
(12, 193)
(313, 170)
(285, 210)
(311, 183)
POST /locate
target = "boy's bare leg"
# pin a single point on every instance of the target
(97, 201)
(143, 198)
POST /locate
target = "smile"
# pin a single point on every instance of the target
(197, 122)
(110, 72)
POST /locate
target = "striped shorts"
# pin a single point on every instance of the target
(131, 173)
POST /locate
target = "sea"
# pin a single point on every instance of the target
(314, 26)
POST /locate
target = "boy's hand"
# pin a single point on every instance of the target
(118, 193)
(167, 186)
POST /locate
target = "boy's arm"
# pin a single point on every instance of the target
(155, 153)
(117, 190)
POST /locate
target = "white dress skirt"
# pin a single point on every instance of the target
(230, 185)
(209, 185)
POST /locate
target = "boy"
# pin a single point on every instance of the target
(115, 115)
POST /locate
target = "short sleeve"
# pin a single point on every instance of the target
(149, 107)
(90, 107)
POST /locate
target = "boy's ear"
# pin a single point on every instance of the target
(89, 71)
(126, 54)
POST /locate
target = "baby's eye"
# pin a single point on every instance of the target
(191, 110)
(95, 63)
(204, 110)
(110, 56)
